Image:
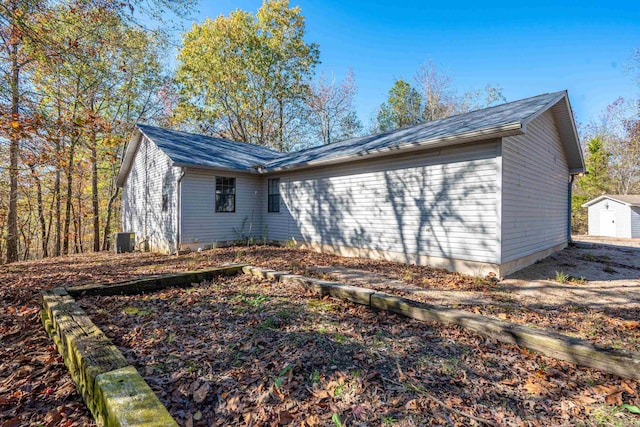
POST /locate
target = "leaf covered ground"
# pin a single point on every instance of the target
(243, 350)
(35, 388)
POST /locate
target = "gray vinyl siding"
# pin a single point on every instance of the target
(151, 174)
(622, 218)
(200, 221)
(440, 203)
(623, 222)
(635, 222)
(534, 190)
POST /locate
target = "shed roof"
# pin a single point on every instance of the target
(512, 118)
(626, 199)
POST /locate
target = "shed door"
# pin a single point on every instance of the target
(608, 223)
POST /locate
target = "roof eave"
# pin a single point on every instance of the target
(251, 170)
(502, 131)
(127, 160)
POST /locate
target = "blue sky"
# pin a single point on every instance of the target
(585, 47)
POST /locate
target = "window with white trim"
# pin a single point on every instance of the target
(225, 194)
(274, 195)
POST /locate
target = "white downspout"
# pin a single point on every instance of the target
(179, 210)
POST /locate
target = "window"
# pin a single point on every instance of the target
(166, 186)
(165, 202)
(225, 194)
(274, 195)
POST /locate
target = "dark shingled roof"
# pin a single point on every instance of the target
(198, 150)
(187, 149)
(475, 121)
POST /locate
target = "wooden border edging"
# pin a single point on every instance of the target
(155, 283)
(578, 351)
(114, 391)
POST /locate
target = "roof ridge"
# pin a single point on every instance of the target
(215, 138)
(391, 131)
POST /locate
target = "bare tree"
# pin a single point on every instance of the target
(619, 127)
(438, 98)
(332, 112)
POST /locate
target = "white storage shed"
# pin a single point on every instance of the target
(614, 215)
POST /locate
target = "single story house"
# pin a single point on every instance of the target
(614, 215)
(485, 191)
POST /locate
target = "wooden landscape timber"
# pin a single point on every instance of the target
(580, 352)
(155, 283)
(114, 392)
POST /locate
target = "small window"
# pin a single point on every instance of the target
(225, 194)
(274, 195)
(165, 202)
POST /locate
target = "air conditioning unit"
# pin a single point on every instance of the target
(125, 242)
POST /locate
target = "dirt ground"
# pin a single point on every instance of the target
(605, 272)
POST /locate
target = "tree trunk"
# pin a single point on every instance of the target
(94, 191)
(56, 196)
(79, 235)
(77, 226)
(14, 151)
(43, 223)
(280, 125)
(107, 224)
(69, 201)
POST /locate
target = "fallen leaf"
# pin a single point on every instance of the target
(201, 393)
(321, 394)
(604, 389)
(359, 411)
(614, 398)
(534, 388)
(585, 399)
(631, 324)
(628, 388)
(233, 403)
(312, 420)
(284, 418)
(411, 405)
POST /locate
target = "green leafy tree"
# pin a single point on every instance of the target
(432, 97)
(403, 107)
(595, 182)
(246, 76)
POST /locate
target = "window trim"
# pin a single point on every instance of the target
(225, 180)
(274, 195)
